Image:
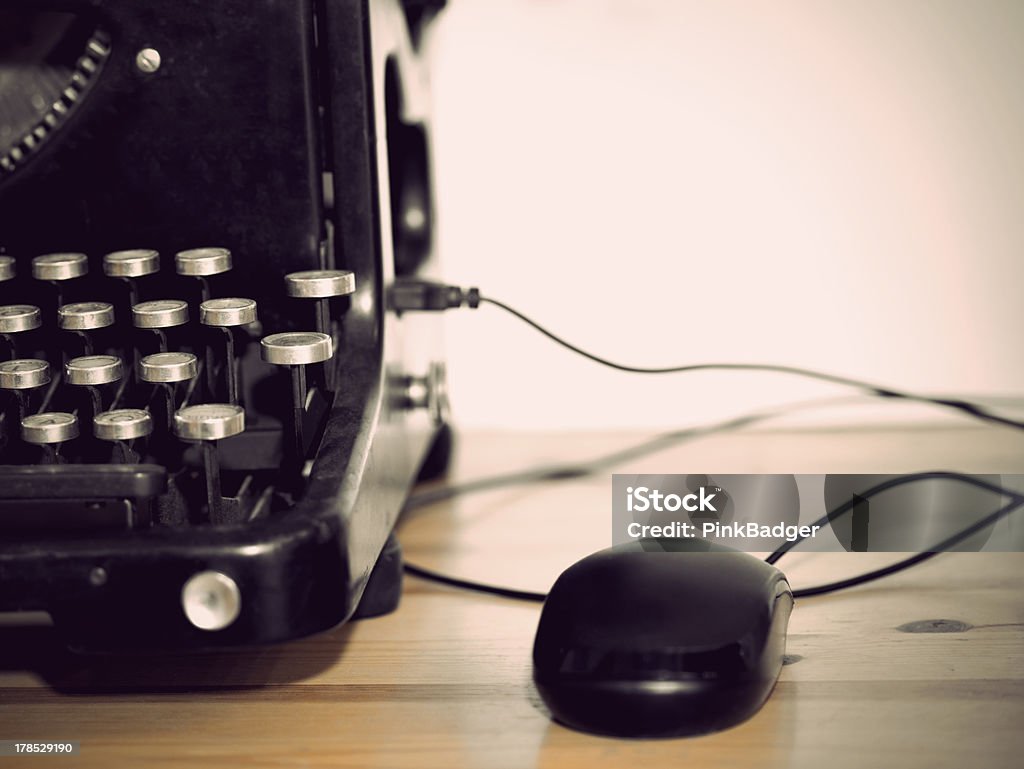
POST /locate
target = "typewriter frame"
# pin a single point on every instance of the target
(307, 569)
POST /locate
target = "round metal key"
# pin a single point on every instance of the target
(320, 284)
(227, 312)
(134, 263)
(24, 374)
(84, 316)
(161, 313)
(296, 348)
(122, 424)
(8, 268)
(200, 262)
(60, 266)
(19, 317)
(49, 427)
(168, 367)
(209, 421)
(93, 370)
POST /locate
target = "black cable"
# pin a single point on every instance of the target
(478, 587)
(973, 410)
(901, 480)
(590, 467)
(1017, 500)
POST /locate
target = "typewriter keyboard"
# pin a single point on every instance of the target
(135, 394)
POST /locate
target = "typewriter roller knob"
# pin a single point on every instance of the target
(7, 268)
(122, 426)
(208, 423)
(320, 285)
(227, 314)
(49, 430)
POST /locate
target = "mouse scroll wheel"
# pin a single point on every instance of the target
(48, 61)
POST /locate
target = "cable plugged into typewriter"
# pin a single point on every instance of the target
(411, 294)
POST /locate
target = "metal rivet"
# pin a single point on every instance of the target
(148, 60)
(211, 600)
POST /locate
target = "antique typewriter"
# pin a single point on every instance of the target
(209, 414)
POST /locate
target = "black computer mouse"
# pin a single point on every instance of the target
(661, 638)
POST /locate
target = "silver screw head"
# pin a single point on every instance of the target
(148, 60)
(211, 600)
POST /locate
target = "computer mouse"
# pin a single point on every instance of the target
(661, 638)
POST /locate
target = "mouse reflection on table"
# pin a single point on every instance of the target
(661, 638)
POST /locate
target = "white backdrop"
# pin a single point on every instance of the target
(834, 184)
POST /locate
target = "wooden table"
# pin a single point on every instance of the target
(445, 681)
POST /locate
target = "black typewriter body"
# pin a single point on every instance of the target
(240, 142)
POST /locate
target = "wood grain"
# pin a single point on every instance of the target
(445, 681)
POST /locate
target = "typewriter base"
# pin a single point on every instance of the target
(383, 590)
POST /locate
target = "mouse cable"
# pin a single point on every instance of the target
(1017, 500)
(585, 468)
(412, 294)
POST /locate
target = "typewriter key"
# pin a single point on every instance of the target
(15, 318)
(208, 423)
(24, 374)
(49, 430)
(8, 268)
(90, 370)
(227, 314)
(58, 267)
(168, 367)
(161, 313)
(202, 262)
(85, 316)
(134, 263)
(50, 427)
(296, 349)
(165, 369)
(320, 285)
(123, 426)
(130, 265)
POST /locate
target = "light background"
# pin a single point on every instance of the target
(817, 183)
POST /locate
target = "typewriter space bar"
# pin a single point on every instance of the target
(62, 497)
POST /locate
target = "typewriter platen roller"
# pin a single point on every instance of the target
(209, 419)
